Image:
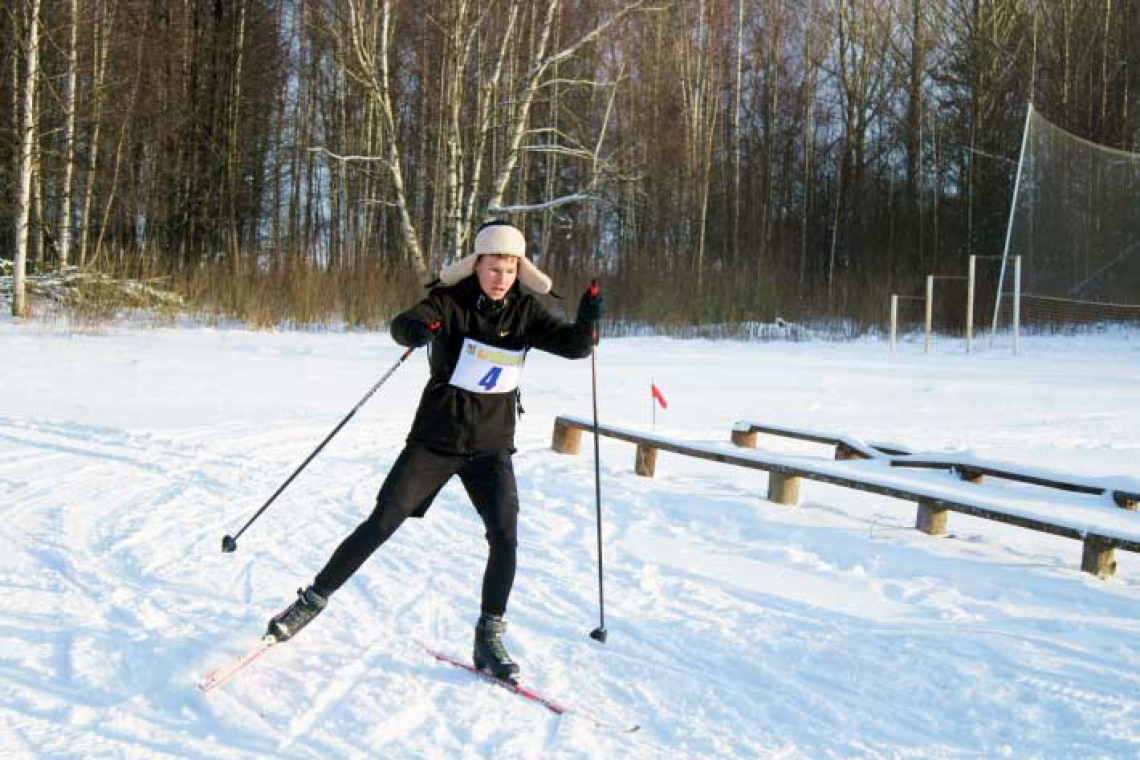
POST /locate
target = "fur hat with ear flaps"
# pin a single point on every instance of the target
(500, 239)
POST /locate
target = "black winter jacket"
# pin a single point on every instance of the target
(455, 420)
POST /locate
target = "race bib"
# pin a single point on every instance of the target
(487, 369)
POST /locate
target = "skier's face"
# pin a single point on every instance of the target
(496, 274)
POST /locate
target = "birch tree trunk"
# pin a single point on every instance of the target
(69, 139)
(480, 128)
(541, 62)
(861, 48)
(737, 138)
(1104, 67)
(701, 92)
(487, 96)
(27, 142)
(124, 131)
(371, 33)
(102, 36)
(913, 138)
(37, 244)
(233, 154)
(539, 65)
(453, 132)
(771, 148)
(387, 110)
(551, 168)
(809, 96)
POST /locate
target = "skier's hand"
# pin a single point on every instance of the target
(421, 333)
(591, 307)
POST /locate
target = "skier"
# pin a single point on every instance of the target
(478, 324)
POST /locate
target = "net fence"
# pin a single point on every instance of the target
(1076, 227)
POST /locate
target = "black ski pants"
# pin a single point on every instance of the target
(413, 483)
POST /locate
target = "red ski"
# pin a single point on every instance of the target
(216, 678)
(524, 692)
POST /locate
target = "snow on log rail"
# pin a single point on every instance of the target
(1101, 528)
(967, 467)
(745, 433)
(974, 470)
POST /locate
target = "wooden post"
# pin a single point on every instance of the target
(645, 463)
(567, 439)
(894, 322)
(744, 438)
(971, 476)
(929, 310)
(931, 519)
(843, 452)
(973, 269)
(1123, 501)
(783, 489)
(1098, 558)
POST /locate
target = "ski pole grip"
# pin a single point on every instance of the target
(594, 290)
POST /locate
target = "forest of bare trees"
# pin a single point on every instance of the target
(712, 160)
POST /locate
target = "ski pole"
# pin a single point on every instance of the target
(229, 543)
(599, 633)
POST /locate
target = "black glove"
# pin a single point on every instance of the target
(419, 333)
(591, 307)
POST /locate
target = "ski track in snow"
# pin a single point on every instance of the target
(738, 629)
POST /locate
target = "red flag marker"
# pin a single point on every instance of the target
(659, 396)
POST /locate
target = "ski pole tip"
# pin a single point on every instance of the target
(599, 634)
(229, 545)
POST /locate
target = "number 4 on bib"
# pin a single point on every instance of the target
(488, 380)
(481, 368)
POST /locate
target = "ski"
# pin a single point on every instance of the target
(526, 693)
(222, 675)
(219, 676)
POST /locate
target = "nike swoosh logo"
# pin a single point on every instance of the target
(504, 334)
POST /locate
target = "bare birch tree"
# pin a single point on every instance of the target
(27, 158)
(815, 143)
(500, 105)
(812, 48)
(541, 63)
(233, 147)
(70, 97)
(702, 85)
(737, 134)
(101, 34)
(862, 37)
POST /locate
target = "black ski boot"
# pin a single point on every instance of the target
(287, 623)
(490, 654)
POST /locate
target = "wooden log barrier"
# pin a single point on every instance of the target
(645, 463)
(744, 438)
(970, 475)
(785, 474)
(1098, 558)
(845, 452)
(783, 489)
(566, 439)
(931, 519)
(1124, 502)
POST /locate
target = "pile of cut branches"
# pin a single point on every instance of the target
(75, 289)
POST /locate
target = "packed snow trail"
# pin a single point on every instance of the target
(737, 629)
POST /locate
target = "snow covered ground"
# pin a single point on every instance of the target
(738, 629)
